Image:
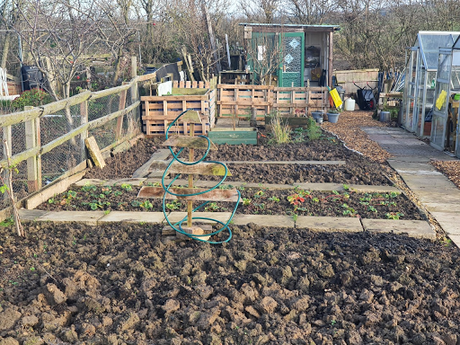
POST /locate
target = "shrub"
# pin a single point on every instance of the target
(31, 98)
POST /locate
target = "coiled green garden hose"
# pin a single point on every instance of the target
(178, 225)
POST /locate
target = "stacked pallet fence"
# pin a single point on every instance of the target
(158, 112)
(242, 100)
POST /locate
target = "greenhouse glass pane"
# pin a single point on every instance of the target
(444, 66)
(431, 43)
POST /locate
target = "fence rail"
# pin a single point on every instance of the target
(47, 142)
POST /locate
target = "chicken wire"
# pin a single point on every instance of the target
(72, 152)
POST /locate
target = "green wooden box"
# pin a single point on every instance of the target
(246, 136)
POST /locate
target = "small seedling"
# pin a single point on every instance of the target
(173, 205)
(274, 198)
(127, 187)
(246, 202)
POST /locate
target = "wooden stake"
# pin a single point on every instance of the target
(17, 220)
(191, 158)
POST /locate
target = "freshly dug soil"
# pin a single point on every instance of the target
(357, 170)
(119, 284)
(254, 201)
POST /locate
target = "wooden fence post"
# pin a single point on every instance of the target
(121, 106)
(134, 96)
(83, 135)
(32, 128)
(6, 172)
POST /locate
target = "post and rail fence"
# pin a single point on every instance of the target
(47, 143)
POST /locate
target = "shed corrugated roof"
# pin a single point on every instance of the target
(303, 26)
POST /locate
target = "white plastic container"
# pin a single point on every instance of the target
(349, 104)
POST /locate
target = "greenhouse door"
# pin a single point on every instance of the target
(292, 64)
(410, 89)
(441, 100)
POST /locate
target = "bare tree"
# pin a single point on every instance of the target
(58, 37)
(264, 11)
(309, 11)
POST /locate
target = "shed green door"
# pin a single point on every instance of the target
(292, 64)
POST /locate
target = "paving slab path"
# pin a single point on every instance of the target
(411, 158)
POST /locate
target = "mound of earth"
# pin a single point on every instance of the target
(119, 284)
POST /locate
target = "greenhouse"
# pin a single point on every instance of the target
(444, 134)
(420, 81)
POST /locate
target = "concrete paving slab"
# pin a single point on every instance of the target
(132, 217)
(438, 197)
(407, 165)
(220, 216)
(131, 181)
(455, 239)
(408, 159)
(450, 222)
(373, 189)
(31, 215)
(325, 187)
(442, 207)
(85, 217)
(383, 142)
(90, 181)
(419, 181)
(412, 142)
(329, 224)
(414, 228)
(264, 220)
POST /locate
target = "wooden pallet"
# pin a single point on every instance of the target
(159, 111)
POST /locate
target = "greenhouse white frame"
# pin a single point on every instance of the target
(420, 81)
(447, 84)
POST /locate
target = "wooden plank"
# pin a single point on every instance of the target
(287, 162)
(20, 117)
(230, 195)
(54, 188)
(190, 142)
(191, 116)
(173, 98)
(51, 108)
(94, 152)
(203, 168)
(111, 91)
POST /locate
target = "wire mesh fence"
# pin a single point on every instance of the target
(55, 128)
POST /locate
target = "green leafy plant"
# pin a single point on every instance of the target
(88, 188)
(146, 204)
(127, 187)
(372, 209)
(173, 205)
(313, 130)
(212, 206)
(394, 215)
(274, 198)
(246, 201)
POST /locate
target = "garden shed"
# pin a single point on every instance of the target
(420, 81)
(444, 134)
(289, 55)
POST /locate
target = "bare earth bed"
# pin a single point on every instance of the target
(120, 284)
